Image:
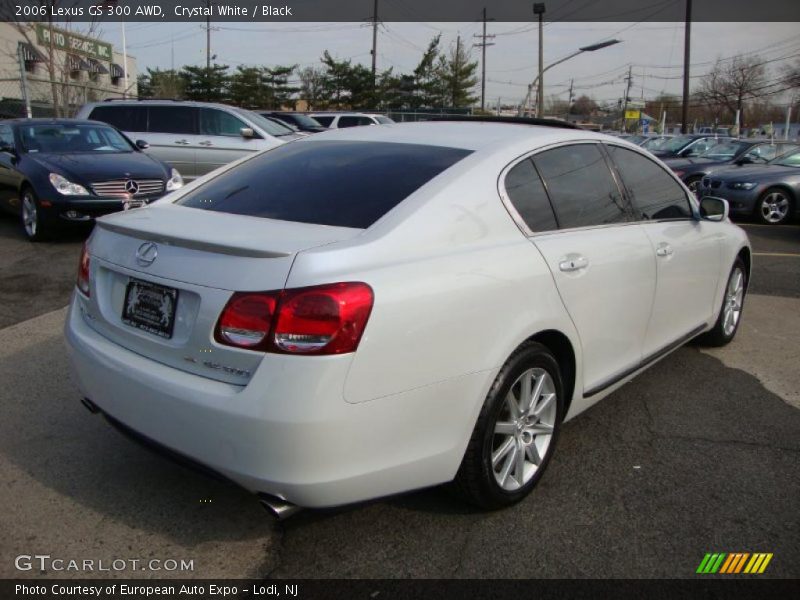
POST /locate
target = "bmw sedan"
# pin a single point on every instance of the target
(734, 152)
(769, 192)
(53, 172)
(380, 309)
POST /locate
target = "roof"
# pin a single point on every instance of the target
(51, 121)
(459, 134)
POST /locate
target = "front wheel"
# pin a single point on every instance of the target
(516, 431)
(693, 183)
(730, 314)
(34, 223)
(774, 207)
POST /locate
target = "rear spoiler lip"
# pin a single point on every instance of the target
(172, 240)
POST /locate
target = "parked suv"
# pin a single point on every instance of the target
(339, 120)
(193, 137)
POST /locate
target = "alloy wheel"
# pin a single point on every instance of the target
(774, 207)
(734, 295)
(524, 429)
(30, 215)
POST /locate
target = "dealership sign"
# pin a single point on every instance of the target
(74, 43)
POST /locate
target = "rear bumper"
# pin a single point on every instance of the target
(289, 432)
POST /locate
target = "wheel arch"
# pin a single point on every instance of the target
(746, 257)
(561, 347)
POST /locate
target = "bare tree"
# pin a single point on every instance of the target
(730, 83)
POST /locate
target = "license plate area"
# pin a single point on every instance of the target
(150, 307)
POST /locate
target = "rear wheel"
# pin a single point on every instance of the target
(730, 314)
(693, 183)
(516, 431)
(34, 223)
(774, 207)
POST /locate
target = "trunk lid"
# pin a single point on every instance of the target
(205, 256)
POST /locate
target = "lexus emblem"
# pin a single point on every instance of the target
(147, 254)
(131, 187)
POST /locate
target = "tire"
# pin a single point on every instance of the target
(693, 182)
(35, 224)
(774, 207)
(730, 313)
(499, 469)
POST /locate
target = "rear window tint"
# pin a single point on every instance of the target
(324, 121)
(339, 183)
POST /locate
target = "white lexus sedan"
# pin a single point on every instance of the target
(379, 309)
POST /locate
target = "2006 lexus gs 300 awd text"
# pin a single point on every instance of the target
(380, 309)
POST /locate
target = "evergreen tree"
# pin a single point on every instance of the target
(206, 84)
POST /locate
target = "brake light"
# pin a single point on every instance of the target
(325, 319)
(246, 320)
(83, 272)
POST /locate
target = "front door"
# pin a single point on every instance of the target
(687, 251)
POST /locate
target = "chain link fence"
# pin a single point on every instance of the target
(69, 96)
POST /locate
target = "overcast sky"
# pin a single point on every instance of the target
(654, 49)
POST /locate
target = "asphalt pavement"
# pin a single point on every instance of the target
(699, 454)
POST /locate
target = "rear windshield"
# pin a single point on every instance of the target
(339, 183)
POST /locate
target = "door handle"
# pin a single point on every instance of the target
(664, 250)
(205, 144)
(182, 142)
(574, 264)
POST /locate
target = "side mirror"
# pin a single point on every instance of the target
(247, 133)
(8, 148)
(745, 160)
(142, 145)
(714, 209)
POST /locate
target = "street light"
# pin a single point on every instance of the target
(538, 80)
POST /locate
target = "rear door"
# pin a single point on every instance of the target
(687, 250)
(172, 135)
(601, 263)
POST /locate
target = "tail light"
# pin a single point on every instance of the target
(246, 320)
(325, 319)
(83, 272)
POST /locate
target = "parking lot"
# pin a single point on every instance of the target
(699, 454)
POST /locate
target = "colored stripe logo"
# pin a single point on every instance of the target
(732, 563)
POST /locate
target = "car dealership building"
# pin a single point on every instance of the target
(84, 69)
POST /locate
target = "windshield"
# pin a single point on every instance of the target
(790, 159)
(270, 127)
(62, 138)
(655, 143)
(303, 120)
(635, 139)
(677, 143)
(724, 150)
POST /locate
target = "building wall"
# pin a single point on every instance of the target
(74, 87)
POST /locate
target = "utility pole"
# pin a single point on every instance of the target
(457, 68)
(208, 37)
(374, 42)
(625, 100)
(482, 45)
(23, 80)
(538, 9)
(686, 54)
(569, 100)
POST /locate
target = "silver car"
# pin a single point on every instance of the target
(193, 137)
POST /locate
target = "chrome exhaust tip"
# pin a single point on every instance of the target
(280, 509)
